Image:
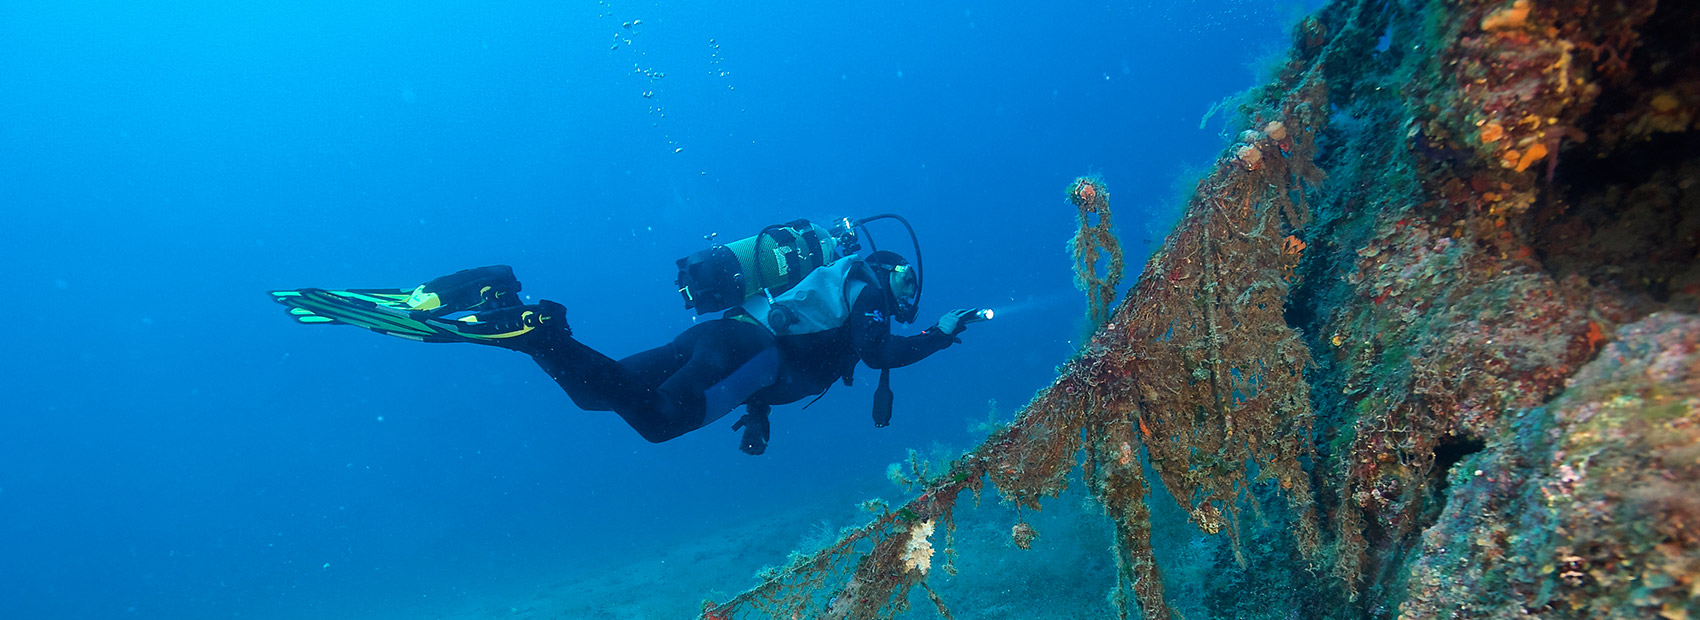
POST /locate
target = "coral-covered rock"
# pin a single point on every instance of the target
(1591, 509)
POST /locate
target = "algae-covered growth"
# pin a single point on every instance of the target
(1423, 345)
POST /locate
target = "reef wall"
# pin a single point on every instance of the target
(1512, 190)
(1423, 345)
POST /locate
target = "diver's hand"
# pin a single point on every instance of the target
(755, 433)
(955, 321)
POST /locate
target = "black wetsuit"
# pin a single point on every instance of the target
(717, 365)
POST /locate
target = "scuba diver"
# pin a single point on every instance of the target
(801, 310)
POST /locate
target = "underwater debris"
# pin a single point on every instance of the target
(1095, 239)
(1022, 535)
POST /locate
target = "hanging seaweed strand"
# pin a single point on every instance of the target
(1095, 240)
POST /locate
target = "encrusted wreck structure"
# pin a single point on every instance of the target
(1428, 334)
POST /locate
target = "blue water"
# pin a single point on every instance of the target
(173, 447)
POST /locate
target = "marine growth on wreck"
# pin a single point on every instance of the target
(1425, 344)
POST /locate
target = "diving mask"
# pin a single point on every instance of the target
(905, 291)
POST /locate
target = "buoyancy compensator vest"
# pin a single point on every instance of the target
(821, 302)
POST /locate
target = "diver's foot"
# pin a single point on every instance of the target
(513, 327)
(467, 290)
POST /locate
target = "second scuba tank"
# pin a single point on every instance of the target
(775, 259)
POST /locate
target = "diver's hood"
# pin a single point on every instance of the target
(893, 266)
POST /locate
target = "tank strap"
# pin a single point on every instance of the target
(812, 245)
(795, 269)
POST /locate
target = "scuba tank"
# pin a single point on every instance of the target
(773, 260)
